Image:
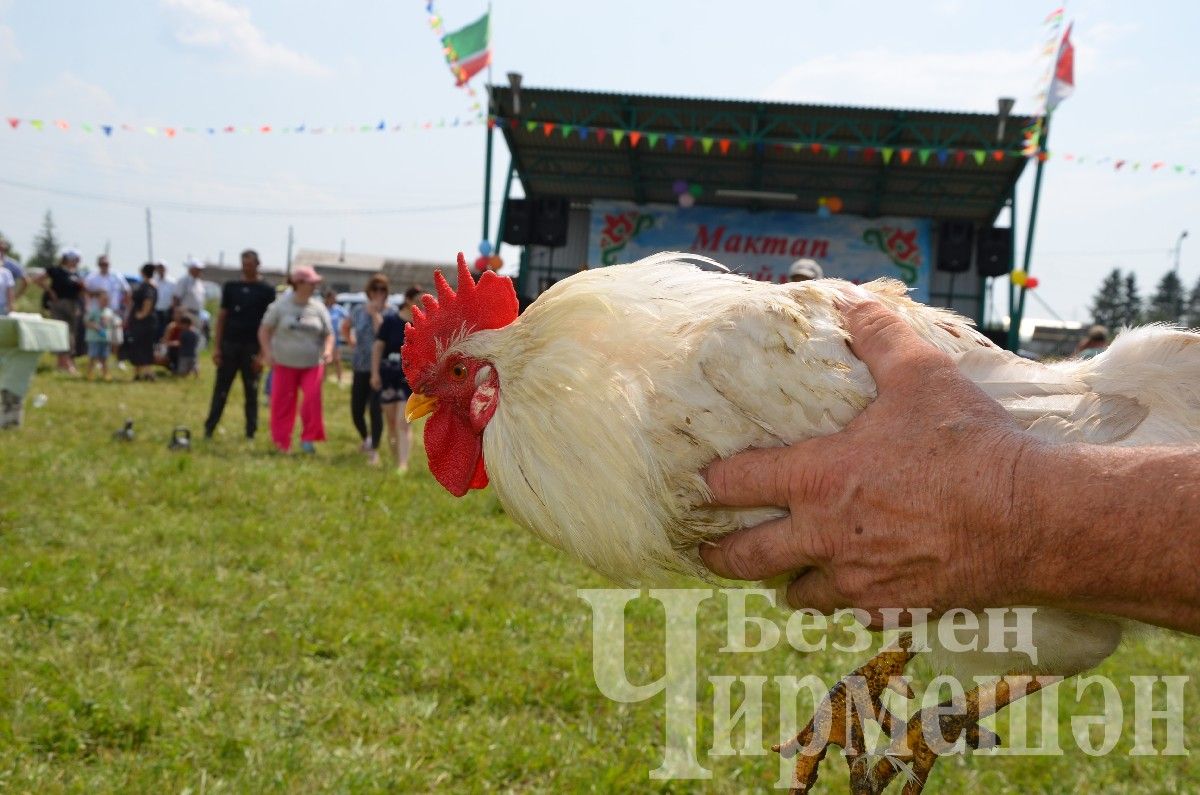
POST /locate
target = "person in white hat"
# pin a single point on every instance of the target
(189, 290)
(803, 270)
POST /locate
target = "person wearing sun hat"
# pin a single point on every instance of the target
(296, 337)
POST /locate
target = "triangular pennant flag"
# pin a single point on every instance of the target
(868, 153)
(266, 128)
(943, 156)
(723, 144)
(833, 150)
(741, 146)
(566, 130)
(601, 134)
(170, 131)
(797, 147)
(107, 129)
(301, 128)
(1179, 170)
(923, 155)
(905, 154)
(1118, 164)
(959, 157)
(583, 133)
(816, 149)
(998, 155)
(980, 155)
(530, 126)
(887, 153)
(760, 147)
(62, 125)
(548, 127)
(35, 124)
(13, 122)
(670, 139)
(1157, 166)
(652, 140)
(706, 144)
(1136, 166)
(618, 136)
(152, 130)
(688, 143)
(634, 137)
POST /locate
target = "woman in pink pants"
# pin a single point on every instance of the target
(296, 338)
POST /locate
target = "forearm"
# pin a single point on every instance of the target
(219, 332)
(1114, 531)
(376, 358)
(264, 341)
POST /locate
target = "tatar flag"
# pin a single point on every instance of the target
(1063, 84)
(469, 49)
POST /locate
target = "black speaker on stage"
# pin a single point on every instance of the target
(550, 222)
(954, 246)
(518, 222)
(993, 251)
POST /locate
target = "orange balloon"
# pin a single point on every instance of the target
(495, 263)
(834, 204)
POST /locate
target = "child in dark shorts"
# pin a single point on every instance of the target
(188, 342)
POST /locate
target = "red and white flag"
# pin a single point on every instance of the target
(1063, 84)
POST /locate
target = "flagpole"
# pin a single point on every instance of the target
(1015, 318)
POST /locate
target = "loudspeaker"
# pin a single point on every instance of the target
(993, 251)
(954, 246)
(550, 222)
(518, 222)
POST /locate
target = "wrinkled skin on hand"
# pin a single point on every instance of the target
(911, 505)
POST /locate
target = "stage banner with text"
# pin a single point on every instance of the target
(762, 245)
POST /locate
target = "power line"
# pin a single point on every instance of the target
(225, 209)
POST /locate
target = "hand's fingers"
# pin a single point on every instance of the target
(756, 553)
(751, 479)
(814, 589)
(885, 342)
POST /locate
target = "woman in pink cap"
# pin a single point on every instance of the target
(296, 338)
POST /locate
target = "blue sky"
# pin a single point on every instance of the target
(216, 62)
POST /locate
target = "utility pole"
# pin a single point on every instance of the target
(149, 238)
(1178, 246)
(291, 237)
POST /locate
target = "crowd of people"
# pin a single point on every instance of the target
(291, 335)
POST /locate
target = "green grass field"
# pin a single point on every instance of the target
(234, 621)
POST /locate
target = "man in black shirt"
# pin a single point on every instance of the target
(235, 343)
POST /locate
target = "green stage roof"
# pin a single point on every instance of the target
(878, 161)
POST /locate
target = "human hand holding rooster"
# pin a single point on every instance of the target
(953, 540)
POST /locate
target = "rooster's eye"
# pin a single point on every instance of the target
(458, 372)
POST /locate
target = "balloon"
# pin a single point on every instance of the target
(1031, 282)
(679, 186)
(485, 247)
(494, 262)
(481, 264)
(823, 212)
(1018, 278)
(687, 200)
(822, 201)
(695, 190)
(834, 204)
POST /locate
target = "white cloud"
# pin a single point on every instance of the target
(880, 77)
(221, 26)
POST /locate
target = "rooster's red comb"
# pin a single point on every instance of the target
(487, 304)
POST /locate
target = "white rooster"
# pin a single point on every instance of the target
(652, 370)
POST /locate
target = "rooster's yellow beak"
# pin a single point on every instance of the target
(418, 406)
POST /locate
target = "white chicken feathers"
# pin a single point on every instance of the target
(618, 385)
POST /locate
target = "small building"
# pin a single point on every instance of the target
(346, 272)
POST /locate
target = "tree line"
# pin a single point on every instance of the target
(1118, 303)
